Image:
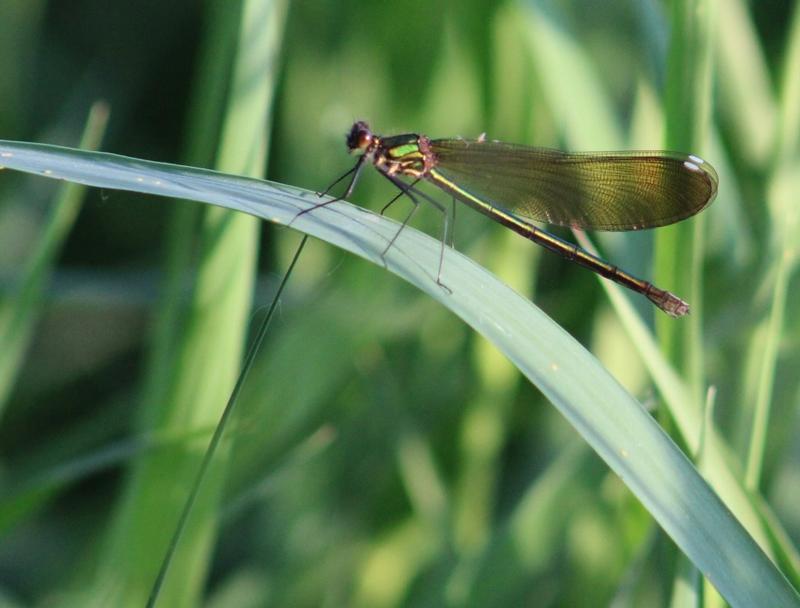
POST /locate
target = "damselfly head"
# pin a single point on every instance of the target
(360, 137)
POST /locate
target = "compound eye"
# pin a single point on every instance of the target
(364, 139)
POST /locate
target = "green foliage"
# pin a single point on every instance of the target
(381, 453)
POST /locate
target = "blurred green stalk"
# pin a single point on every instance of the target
(196, 372)
(19, 311)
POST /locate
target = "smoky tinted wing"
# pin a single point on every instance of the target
(597, 191)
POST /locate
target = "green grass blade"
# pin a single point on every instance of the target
(556, 54)
(789, 130)
(572, 85)
(679, 248)
(611, 421)
(717, 455)
(768, 355)
(745, 86)
(207, 354)
(19, 311)
(785, 221)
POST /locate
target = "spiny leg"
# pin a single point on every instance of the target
(398, 195)
(355, 169)
(445, 229)
(406, 190)
(355, 172)
(410, 192)
(453, 225)
(338, 179)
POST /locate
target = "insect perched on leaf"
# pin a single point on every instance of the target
(515, 185)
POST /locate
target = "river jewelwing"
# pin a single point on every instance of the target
(515, 185)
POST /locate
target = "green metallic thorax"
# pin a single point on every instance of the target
(404, 154)
(405, 150)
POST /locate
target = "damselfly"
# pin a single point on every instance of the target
(515, 184)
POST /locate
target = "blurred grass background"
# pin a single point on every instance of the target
(383, 455)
